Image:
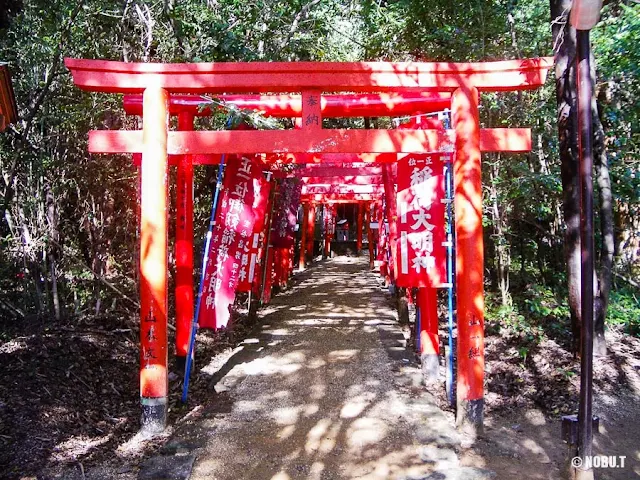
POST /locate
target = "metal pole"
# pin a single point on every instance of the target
(585, 415)
(450, 277)
(205, 259)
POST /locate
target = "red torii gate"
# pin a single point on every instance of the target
(157, 82)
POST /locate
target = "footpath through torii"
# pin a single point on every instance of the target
(394, 89)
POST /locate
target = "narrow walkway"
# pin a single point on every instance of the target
(327, 391)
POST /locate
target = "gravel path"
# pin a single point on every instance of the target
(326, 391)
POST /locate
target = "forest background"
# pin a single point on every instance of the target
(68, 219)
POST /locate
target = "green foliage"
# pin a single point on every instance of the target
(91, 233)
(624, 310)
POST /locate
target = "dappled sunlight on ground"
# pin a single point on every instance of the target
(315, 398)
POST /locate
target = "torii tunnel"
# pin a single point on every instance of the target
(343, 165)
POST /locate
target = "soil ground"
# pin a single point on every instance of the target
(323, 388)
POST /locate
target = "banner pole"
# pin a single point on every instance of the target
(205, 260)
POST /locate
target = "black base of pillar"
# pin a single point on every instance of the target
(154, 415)
(180, 363)
(470, 416)
(430, 363)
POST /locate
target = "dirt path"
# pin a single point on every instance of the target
(316, 395)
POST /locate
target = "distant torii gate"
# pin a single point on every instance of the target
(158, 82)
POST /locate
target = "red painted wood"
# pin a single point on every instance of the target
(340, 189)
(184, 245)
(359, 224)
(343, 181)
(303, 239)
(390, 213)
(311, 230)
(345, 105)
(121, 77)
(319, 171)
(368, 220)
(339, 198)
(428, 304)
(298, 141)
(311, 110)
(153, 247)
(469, 246)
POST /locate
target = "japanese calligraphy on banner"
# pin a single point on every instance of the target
(286, 213)
(249, 259)
(228, 261)
(421, 254)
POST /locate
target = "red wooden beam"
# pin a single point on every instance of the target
(320, 171)
(342, 180)
(314, 142)
(347, 105)
(238, 77)
(341, 189)
(340, 198)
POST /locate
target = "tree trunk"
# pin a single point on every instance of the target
(52, 254)
(564, 42)
(607, 244)
(565, 49)
(502, 248)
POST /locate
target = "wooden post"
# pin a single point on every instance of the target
(153, 260)
(303, 238)
(359, 227)
(290, 259)
(184, 248)
(368, 221)
(429, 344)
(382, 245)
(390, 211)
(326, 235)
(469, 259)
(311, 230)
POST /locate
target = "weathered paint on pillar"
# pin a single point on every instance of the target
(184, 248)
(359, 227)
(368, 221)
(469, 259)
(303, 239)
(429, 343)
(153, 260)
(311, 230)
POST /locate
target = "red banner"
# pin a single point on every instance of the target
(286, 213)
(249, 260)
(235, 220)
(421, 254)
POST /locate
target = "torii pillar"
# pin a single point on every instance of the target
(469, 259)
(359, 223)
(368, 220)
(153, 260)
(184, 248)
(303, 236)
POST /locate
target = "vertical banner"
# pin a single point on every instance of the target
(249, 260)
(286, 213)
(421, 251)
(233, 231)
